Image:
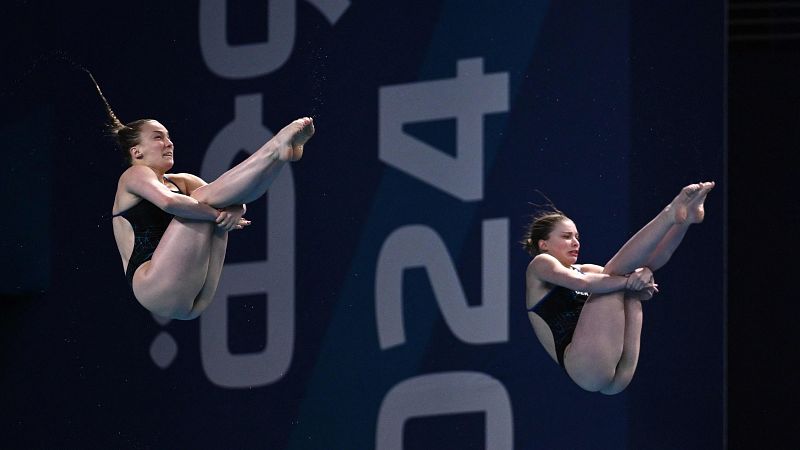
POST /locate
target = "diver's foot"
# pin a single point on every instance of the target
(687, 207)
(292, 137)
(696, 210)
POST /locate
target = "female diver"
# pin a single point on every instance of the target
(589, 317)
(172, 229)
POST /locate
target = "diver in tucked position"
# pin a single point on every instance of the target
(589, 317)
(172, 229)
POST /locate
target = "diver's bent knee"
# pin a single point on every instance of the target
(199, 194)
(205, 195)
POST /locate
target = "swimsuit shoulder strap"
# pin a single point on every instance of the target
(173, 183)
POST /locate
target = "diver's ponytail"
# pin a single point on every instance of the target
(125, 136)
(114, 123)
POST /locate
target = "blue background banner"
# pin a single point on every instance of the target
(377, 301)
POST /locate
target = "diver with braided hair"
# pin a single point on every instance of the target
(171, 229)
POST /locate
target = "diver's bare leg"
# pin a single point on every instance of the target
(592, 357)
(169, 283)
(605, 346)
(657, 240)
(251, 178)
(630, 348)
(219, 245)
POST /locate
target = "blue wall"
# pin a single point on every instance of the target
(377, 301)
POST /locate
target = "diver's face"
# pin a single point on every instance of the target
(155, 149)
(562, 243)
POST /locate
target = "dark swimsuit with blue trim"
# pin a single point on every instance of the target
(149, 223)
(560, 309)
